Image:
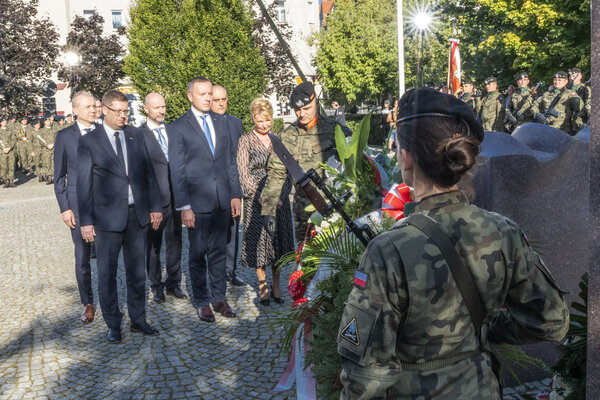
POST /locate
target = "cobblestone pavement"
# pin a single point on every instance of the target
(45, 352)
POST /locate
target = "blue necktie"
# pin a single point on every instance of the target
(206, 131)
(162, 142)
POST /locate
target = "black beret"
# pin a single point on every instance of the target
(490, 80)
(12, 116)
(467, 81)
(521, 75)
(574, 71)
(3, 118)
(302, 95)
(560, 74)
(426, 102)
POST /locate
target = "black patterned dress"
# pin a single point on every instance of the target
(259, 249)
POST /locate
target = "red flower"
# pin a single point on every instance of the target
(299, 301)
(299, 252)
(296, 288)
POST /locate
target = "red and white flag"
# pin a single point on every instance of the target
(454, 70)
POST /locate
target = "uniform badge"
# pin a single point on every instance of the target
(299, 103)
(350, 332)
(360, 279)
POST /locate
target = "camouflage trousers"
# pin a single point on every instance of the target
(46, 161)
(7, 165)
(24, 155)
(300, 216)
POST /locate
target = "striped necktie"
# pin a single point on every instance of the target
(162, 142)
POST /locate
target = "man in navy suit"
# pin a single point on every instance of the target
(235, 130)
(207, 191)
(65, 188)
(118, 197)
(156, 138)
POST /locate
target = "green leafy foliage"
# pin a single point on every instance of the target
(28, 50)
(571, 366)
(101, 66)
(172, 41)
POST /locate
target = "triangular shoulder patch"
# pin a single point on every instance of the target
(350, 332)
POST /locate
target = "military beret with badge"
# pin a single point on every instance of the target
(521, 75)
(560, 74)
(489, 80)
(302, 95)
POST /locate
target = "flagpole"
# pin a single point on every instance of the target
(400, 48)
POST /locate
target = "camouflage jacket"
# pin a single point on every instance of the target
(8, 138)
(568, 108)
(406, 332)
(45, 136)
(520, 105)
(585, 93)
(473, 101)
(309, 147)
(491, 112)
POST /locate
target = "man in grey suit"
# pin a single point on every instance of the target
(156, 138)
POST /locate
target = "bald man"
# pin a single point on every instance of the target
(157, 143)
(235, 130)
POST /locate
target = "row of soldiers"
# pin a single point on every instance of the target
(566, 105)
(28, 146)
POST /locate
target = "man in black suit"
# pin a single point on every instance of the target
(118, 197)
(207, 190)
(65, 188)
(156, 138)
(235, 130)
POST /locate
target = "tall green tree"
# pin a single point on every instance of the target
(504, 37)
(101, 67)
(28, 50)
(172, 41)
(357, 55)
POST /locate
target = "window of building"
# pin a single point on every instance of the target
(88, 13)
(280, 12)
(117, 19)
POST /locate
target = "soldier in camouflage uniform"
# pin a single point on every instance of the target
(46, 137)
(559, 107)
(522, 100)
(69, 120)
(469, 96)
(406, 331)
(491, 112)
(8, 141)
(24, 146)
(584, 91)
(311, 141)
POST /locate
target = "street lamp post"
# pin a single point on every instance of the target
(400, 48)
(73, 59)
(421, 20)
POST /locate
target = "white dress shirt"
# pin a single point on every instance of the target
(198, 114)
(113, 142)
(152, 127)
(82, 129)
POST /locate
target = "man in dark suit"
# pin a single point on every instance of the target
(235, 130)
(156, 138)
(118, 197)
(207, 190)
(65, 188)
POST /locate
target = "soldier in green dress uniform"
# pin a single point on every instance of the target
(408, 330)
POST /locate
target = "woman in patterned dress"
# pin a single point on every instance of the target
(259, 249)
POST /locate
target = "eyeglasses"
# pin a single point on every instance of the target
(123, 113)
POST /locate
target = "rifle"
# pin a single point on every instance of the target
(306, 181)
(514, 120)
(550, 111)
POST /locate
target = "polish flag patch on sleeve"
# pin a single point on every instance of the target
(360, 279)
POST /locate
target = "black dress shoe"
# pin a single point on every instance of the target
(114, 335)
(145, 329)
(176, 291)
(157, 295)
(279, 300)
(236, 281)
